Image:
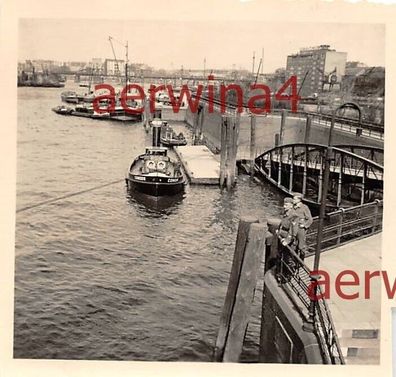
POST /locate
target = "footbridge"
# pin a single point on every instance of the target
(356, 172)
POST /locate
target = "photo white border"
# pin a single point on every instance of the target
(272, 10)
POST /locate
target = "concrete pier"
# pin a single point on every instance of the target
(200, 164)
(358, 320)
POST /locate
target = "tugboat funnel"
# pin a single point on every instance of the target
(156, 135)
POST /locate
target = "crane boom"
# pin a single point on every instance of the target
(116, 67)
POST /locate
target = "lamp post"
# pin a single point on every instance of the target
(322, 211)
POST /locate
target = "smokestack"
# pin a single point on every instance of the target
(156, 135)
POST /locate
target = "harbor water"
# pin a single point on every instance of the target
(107, 275)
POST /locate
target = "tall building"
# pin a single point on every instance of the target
(317, 69)
(114, 67)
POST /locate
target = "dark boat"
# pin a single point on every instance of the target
(154, 173)
(170, 138)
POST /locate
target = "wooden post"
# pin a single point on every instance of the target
(308, 129)
(196, 120)
(250, 268)
(228, 142)
(252, 142)
(225, 319)
(232, 149)
(282, 127)
(223, 150)
(277, 140)
(200, 123)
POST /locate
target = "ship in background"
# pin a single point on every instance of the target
(40, 79)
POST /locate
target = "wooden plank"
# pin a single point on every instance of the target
(251, 264)
(242, 236)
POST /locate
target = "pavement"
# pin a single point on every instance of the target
(359, 256)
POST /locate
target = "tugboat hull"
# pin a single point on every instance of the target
(156, 186)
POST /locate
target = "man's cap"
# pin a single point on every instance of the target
(297, 195)
(288, 200)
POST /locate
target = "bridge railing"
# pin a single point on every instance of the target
(348, 124)
(348, 224)
(295, 277)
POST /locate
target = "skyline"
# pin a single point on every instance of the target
(171, 44)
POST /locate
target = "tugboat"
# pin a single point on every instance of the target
(155, 174)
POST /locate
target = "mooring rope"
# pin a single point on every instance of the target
(50, 201)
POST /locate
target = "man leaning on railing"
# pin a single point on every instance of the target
(305, 221)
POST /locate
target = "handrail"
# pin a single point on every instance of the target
(292, 272)
(345, 225)
(327, 117)
(322, 146)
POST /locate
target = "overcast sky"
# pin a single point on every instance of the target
(169, 44)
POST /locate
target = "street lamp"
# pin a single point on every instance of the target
(322, 212)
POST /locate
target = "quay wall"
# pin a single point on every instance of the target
(268, 126)
(283, 339)
(168, 114)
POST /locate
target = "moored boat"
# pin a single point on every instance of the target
(154, 173)
(63, 110)
(170, 138)
(70, 97)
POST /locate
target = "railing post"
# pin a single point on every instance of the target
(309, 323)
(339, 230)
(339, 190)
(320, 177)
(363, 195)
(304, 188)
(291, 170)
(377, 203)
(280, 166)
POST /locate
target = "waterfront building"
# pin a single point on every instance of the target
(317, 69)
(114, 67)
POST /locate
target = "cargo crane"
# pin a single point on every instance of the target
(116, 66)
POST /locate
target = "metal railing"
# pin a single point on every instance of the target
(291, 272)
(375, 130)
(348, 224)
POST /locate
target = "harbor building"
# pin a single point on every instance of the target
(113, 67)
(317, 69)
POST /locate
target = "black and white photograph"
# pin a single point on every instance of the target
(206, 190)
